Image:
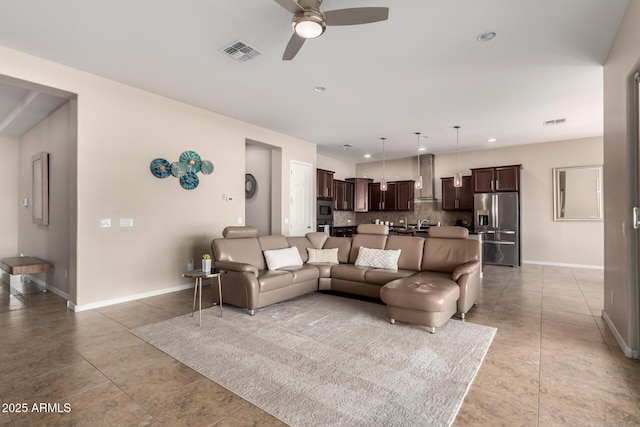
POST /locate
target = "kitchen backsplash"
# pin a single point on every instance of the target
(427, 210)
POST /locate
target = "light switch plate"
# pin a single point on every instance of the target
(126, 222)
(105, 222)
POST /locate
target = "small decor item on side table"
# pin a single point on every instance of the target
(206, 263)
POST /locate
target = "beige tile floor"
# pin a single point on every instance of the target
(553, 361)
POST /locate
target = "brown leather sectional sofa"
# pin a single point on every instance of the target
(446, 254)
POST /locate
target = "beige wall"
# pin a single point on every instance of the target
(10, 199)
(341, 168)
(120, 130)
(543, 240)
(620, 189)
(54, 135)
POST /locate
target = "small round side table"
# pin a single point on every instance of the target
(197, 291)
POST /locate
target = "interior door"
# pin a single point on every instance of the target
(301, 200)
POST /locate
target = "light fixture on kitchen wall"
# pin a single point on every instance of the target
(418, 183)
(457, 178)
(383, 182)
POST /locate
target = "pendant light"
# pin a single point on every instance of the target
(457, 178)
(383, 182)
(418, 183)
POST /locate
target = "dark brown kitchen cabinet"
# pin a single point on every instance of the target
(457, 198)
(324, 179)
(382, 200)
(348, 231)
(360, 193)
(398, 197)
(404, 195)
(343, 195)
(494, 179)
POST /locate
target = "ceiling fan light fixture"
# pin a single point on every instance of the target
(308, 24)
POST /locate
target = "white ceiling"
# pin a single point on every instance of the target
(422, 70)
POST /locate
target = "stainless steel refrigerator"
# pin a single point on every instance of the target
(497, 220)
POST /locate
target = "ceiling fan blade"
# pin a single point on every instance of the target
(291, 5)
(356, 15)
(294, 45)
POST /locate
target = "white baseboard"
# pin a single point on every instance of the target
(629, 352)
(563, 264)
(105, 303)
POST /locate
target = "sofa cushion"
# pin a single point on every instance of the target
(378, 258)
(444, 255)
(448, 232)
(317, 238)
(373, 241)
(412, 248)
(302, 243)
(244, 250)
(271, 280)
(349, 272)
(344, 247)
(239, 232)
(273, 241)
(303, 273)
(278, 258)
(323, 255)
(377, 276)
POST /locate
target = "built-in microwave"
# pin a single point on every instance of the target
(325, 209)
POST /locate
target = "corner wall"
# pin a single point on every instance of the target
(622, 300)
(11, 200)
(54, 135)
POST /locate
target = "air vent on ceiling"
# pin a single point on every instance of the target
(346, 146)
(555, 122)
(240, 51)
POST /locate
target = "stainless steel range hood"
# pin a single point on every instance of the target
(428, 179)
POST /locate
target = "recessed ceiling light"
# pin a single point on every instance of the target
(487, 36)
(346, 146)
(367, 156)
(491, 140)
(319, 89)
(422, 149)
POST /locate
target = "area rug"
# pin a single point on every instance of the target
(325, 360)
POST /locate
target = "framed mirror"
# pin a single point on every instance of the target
(577, 193)
(250, 186)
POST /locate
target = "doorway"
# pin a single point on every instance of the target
(263, 168)
(301, 209)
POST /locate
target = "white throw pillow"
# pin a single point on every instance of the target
(378, 258)
(323, 255)
(278, 258)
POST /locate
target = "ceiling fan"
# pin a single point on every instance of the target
(308, 22)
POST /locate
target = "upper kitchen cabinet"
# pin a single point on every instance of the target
(457, 198)
(499, 178)
(382, 200)
(343, 195)
(324, 179)
(360, 193)
(398, 197)
(404, 195)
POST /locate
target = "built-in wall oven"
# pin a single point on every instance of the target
(325, 210)
(324, 216)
